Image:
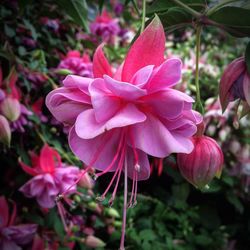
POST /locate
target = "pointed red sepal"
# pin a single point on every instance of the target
(101, 65)
(148, 49)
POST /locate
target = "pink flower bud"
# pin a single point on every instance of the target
(86, 182)
(235, 83)
(203, 163)
(93, 242)
(10, 108)
(5, 133)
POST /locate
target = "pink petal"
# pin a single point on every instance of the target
(246, 87)
(67, 104)
(100, 64)
(104, 104)
(155, 139)
(123, 89)
(87, 127)
(4, 214)
(148, 49)
(74, 81)
(142, 161)
(168, 104)
(142, 76)
(166, 75)
(97, 152)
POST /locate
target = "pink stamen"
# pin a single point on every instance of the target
(120, 165)
(95, 158)
(114, 159)
(132, 192)
(136, 184)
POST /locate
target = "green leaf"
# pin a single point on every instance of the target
(175, 18)
(31, 28)
(77, 10)
(163, 5)
(247, 57)
(235, 201)
(234, 20)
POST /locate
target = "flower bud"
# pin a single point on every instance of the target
(86, 181)
(5, 133)
(235, 83)
(93, 242)
(10, 108)
(203, 163)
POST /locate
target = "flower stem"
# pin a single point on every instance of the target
(124, 217)
(198, 105)
(143, 15)
(187, 8)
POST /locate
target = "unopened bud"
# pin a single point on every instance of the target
(5, 133)
(10, 108)
(93, 242)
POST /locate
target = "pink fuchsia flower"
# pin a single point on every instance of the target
(121, 118)
(204, 163)
(235, 84)
(77, 64)
(105, 27)
(5, 133)
(50, 177)
(13, 236)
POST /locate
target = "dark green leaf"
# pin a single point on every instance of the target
(163, 5)
(77, 10)
(235, 201)
(175, 18)
(247, 57)
(234, 20)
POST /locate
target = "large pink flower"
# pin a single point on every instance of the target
(50, 177)
(118, 119)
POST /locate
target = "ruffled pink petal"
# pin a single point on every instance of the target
(168, 104)
(155, 139)
(100, 63)
(4, 214)
(104, 104)
(74, 81)
(123, 89)
(148, 49)
(67, 104)
(87, 127)
(97, 152)
(142, 76)
(165, 76)
(142, 161)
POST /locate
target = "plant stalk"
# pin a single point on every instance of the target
(187, 8)
(143, 15)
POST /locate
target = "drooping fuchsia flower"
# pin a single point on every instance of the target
(50, 177)
(13, 236)
(105, 27)
(205, 161)
(77, 64)
(117, 120)
(235, 84)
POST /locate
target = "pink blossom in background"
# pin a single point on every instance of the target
(77, 64)
(105, 27)
(12, 236)
(117, 120)
(50, 177)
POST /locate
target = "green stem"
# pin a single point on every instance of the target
(187, 8)
(143, 15)
(197, 57)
